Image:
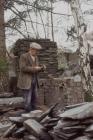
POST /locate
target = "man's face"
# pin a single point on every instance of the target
(33, 51)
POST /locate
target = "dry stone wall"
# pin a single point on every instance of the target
(51, 90)
(47, 56)
(64, 91)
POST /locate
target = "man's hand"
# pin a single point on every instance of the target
(43, 67)
(40, 68)
(37, 68)
(13, 56)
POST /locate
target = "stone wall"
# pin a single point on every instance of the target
(47, 56)
(66, 91)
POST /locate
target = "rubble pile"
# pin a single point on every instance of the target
(74, 123)
(33, 125)
(9, 106)
(10, 103)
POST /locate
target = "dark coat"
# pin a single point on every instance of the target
(26, 71)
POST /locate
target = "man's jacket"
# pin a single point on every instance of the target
(26, 71)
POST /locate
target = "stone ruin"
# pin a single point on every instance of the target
(47, 56)
(52, 88)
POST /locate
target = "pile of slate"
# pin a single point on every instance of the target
(10, 103)
(74, 123)
(32, 126)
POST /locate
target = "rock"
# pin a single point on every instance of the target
(32, 114)
(9, 131)
(49, 112)
(17, 120)
(30, 137)
(80, 112)
(33, 127)
(77, 78)
(36, 129)
(74, 106)
(19, 133)
(45, 120)
(82, 138)
(11, 102)
(45, 136)
(50, 126)
(6, 95)
(4, 127)
(89, 130)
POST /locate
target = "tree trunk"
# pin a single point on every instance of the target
(52, 23)
(3, 76)
(83, 46)
(2, 30)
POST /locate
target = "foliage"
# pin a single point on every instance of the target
(3, 65)
(88, 97)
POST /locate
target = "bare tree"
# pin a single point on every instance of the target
(81, 29)
(33, 6)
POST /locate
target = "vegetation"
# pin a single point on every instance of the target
(3, 65)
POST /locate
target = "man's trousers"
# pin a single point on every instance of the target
(30, 97)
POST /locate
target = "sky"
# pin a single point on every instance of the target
(61, 24)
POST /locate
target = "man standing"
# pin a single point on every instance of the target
(28, 81)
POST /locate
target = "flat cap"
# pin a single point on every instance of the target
(35, 46)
